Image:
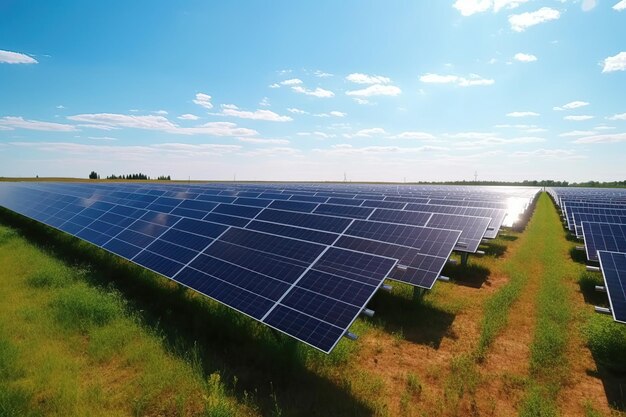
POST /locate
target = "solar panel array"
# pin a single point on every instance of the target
(304, 259)
(599, 217)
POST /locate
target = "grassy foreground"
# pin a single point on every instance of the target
(70, 349)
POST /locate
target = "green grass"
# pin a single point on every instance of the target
(548, 356)
(69, 348)
(497, 307)
(607, 341)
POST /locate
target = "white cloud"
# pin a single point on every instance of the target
(262, 141)
(620, 6)
(604, 127)
(617, 117)
(470, 7)
(610, 138)
(588, 5)
(414, 136)
(321, 135)
(188, 116)
(275, 85)
(108, 138)
(161, 112)
(575, 133)
(203, 100)
(615, 63)
(147, 152)
(292, 81)
(318, 92)
(571, 105)
(161, 123)
(524, 57)
(267, 115)
(97, 126)
(359, 78)
(376, 90)
(10, 123)
(8, 57)
(520, 22)
(336, 113)
(345, 149)
(578, 118)
(296, 111)
(471, 80)
(508, 4)
(361, 101)
(367, 133)
(470, 135)
(265, 102)
(547, 154)
(522, 114)
(122, 120)
(60, 107)
(322, 74)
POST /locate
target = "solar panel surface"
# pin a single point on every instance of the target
(613, 266)
(603, 236)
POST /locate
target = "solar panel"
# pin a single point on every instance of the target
(574, 211)
(603, 236)
(613, 266)
(601, 218)
(310, 291)
(496, 215)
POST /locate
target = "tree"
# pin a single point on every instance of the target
(93, 175)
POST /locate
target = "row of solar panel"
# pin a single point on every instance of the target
(305, 269)
(600, 219)
(473, 228)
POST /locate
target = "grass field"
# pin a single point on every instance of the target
(84, 333)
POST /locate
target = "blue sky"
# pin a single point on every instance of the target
(286, 90)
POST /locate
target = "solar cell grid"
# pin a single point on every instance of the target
(603, 236)
(613, 266)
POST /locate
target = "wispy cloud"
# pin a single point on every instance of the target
(266, 115)
(578, 118)
(521, 22)
(615, 63)
(203, 100)
(412, 135)
(318, 92)
(106, 138)
(291, 81)
(367, 133)
(376, 90)
(609, 138)
(621, 116)
(160, 123)
(263, 141)
(522, 114)
(188, 116)
(521, 57)
(470, 81)
(470, 7)
(8, 57)
(620, 6)
(322, 74)
(571, 105)
(547, 154)
(359, 78)
(575, 133)
(11, 122)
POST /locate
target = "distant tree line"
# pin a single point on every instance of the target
(94, 176)
(536, 183)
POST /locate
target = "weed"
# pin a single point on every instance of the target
(81, 307)
(607, 341)
(414, 384)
